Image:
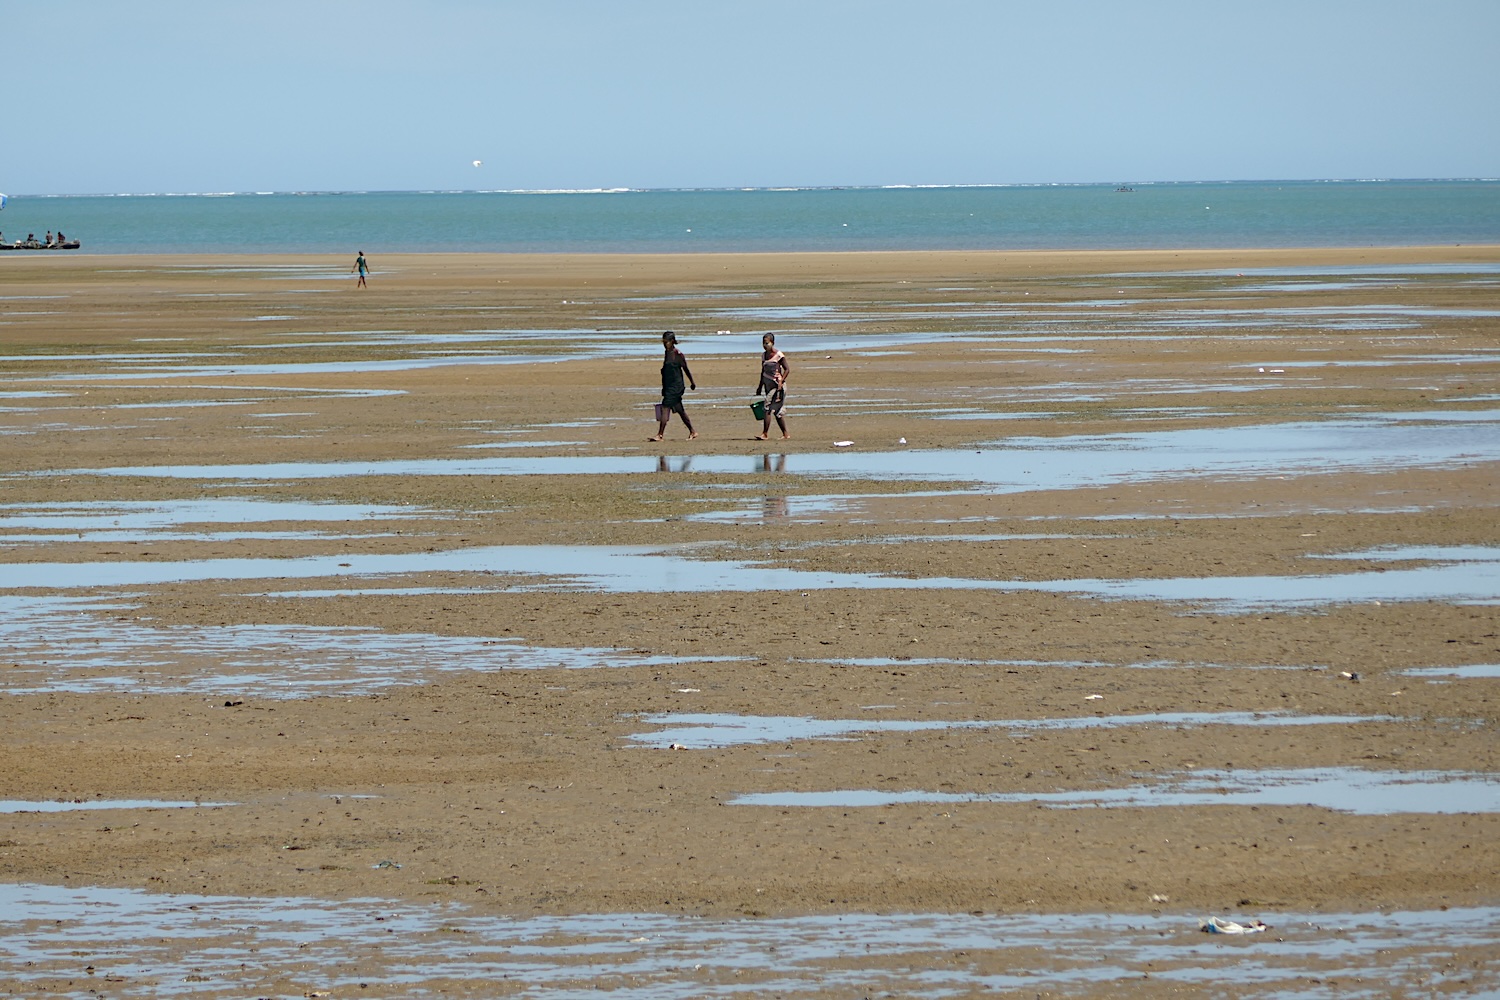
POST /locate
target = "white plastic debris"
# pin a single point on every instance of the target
(1218, 925)
(1094, 697)
(902, 441)
(842, 444)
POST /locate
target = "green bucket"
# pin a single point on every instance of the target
(758, 407)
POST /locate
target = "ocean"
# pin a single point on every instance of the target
(1048, 217)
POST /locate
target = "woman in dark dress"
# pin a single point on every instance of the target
(674, 367)
(774, 369)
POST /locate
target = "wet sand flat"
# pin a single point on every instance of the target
(1037, 487)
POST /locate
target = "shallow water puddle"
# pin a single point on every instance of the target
(139, 520)
(527, 444)
(264, 395)
(76, 805)
(84, 646)
(1341, 789)
(129, 943)
(1485, 670)
(138, 368)
(1375, 442)
(919, 661)
(1334, 270)
(689, 731)
(1471, 575)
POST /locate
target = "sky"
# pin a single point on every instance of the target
(157, 96)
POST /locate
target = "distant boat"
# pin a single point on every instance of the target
(1124, 190)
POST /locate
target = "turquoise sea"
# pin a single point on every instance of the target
(1076, 216)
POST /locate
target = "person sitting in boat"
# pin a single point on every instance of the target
(49, 238)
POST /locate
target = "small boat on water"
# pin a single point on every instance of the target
(38, 245)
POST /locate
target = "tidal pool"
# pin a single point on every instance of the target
(160, 520)
(1471, 670)
(72, 805)
(1372, 443)
(1342, 789)
(86, 942)
(1337, 270)
(1467, 575)
(919, 661)
(690, 731)
(85, 646)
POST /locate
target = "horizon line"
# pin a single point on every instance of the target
(768, 189)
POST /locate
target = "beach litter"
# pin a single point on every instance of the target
(1218, 925)
(843, 444)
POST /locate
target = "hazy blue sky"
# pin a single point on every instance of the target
(203, 95)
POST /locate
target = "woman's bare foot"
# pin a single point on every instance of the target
(761, 437)
(786, 437)
(657, 438)
(693, 436)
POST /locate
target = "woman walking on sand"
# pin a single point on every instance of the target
(363, 267)
(673, 367)
(774, 369)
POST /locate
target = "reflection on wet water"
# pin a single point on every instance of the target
(774, 507)
(131, 944)
(707, 731)
(1372, 442)
(1464, 574)
(79, 645)
(1342, 789)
